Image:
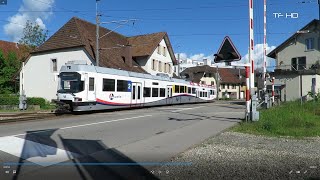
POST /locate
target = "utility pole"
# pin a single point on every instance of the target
(319, 8)
(97, 34)
(265, 47)
(178, 64)
(217, 82)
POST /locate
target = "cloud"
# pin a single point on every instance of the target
(196, 57)
(33, 10)
(258, 56)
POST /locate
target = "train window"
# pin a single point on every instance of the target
(205, 94)
(139, 92)
(182, 89)
(122, 86)
(108, 85)
(155, 83)
(176, 89)
(146, 92)
(193, 90)
(134, 92)
(189, 90)
(91, 84)
(155, 92)
(162, 92)
(201, 94)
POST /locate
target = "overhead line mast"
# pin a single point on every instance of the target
(97, 34)
(265, 46)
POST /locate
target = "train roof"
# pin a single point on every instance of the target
(90, 68)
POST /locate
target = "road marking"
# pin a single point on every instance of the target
(82, 125)
(184, 109)
(34, 152)
(117, 120)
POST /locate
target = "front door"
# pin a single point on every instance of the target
(136, 98)
(169, 94)
(91, 88)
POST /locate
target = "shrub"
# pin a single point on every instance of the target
(9, 100)
(36, 101)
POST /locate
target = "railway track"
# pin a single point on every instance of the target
(21, 117)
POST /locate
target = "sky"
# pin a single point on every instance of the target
(195, 28)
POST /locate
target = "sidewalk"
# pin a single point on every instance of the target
(6, 117)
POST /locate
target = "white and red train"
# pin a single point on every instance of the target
(87, 88)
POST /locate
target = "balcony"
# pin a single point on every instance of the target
(296, 69)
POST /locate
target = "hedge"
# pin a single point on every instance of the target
(36, 101)
(9, 100)
(14, 100)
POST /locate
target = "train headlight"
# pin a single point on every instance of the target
(77, 99)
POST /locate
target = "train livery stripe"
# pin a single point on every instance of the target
(100, 101)
(103, 102)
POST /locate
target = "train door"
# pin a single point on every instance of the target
(169, 95)
(91, 88)
(136, 98)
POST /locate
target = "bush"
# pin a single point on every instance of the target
(14, 100)
(36, 101)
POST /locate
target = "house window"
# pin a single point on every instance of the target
(170, 69)
(212, 82)
(298, 63)
(54, 65)
(223, 86)
(309, 44)
(233, 86)
(153, 64)
(160, 66)
(165, 67)
(91, 84)
(164, 51)
(203, 82)
(159, 49)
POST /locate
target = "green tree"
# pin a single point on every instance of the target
(9, 66)
(33, 35)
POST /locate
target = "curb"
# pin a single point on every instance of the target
(26, 117)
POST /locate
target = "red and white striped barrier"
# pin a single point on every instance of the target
(247, 89)
(272, 89)
(251, 43)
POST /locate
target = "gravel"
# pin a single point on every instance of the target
(234, 155)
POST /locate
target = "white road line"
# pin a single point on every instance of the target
(187, 109)
(90, 124)
(34, 152)
(82, 125)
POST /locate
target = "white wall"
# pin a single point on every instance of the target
(159, 57)
(39, 79)
(297, 48)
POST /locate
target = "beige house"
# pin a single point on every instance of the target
(297, 63)
(232, 81)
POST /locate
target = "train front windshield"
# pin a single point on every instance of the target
(70, 82)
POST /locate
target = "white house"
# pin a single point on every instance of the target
(298, 63)
(76, 41)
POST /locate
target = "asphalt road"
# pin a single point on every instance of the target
(114, 145)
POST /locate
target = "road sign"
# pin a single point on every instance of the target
(227, 52)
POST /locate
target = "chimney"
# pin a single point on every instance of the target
(207, 62)
(128, 55)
